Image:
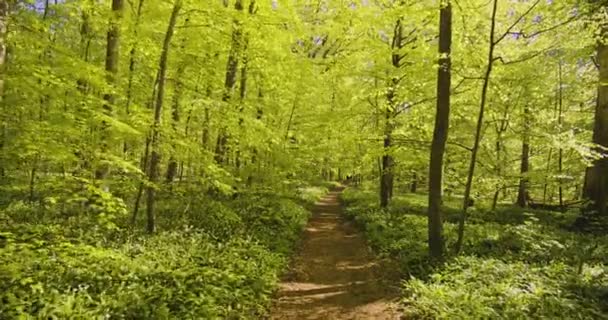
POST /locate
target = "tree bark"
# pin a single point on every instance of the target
(596, 179)
(482, 107)
(175, 118)
(560, 121)
(230, 81)
(111, 67)
(387, 173)
(4, 16)
(440, 132)
(523, 193)
(158, 107)
(414, 183)
(132, 63)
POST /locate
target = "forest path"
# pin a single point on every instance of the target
(334, 276)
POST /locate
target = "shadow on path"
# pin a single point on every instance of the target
(334, 275)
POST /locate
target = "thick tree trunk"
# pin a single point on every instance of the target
(440, 132)
(158, 107)
(482, 107)
(596, 179)
(112, 60)
(523, 193)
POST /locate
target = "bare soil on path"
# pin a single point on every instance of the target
(334, 275)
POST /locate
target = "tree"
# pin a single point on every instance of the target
(596, 179)
(158, 108)
(111, 67)
(523, 195)
(4, 16)
(440, 133)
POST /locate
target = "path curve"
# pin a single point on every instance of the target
(334, 276)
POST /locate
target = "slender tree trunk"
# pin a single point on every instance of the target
(4, 17)
(259, 115)
(242, 97)
(112, 60)
(175, 117)
(547, 173)
(560, 121)
(243, 89)
(155, 155)
(387, 174)
(132, 63)
(33, 182)
(414, 184)
(523, 194)
(230, 82)
(482, 107)
(440, 132)
(290, 120)
(498, 186)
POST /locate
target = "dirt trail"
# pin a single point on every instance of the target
(334, 276)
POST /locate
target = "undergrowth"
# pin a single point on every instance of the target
(515, 264)
(216, 259)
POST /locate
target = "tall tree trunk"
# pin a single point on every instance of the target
(414, 183)
(158, 107)
(560, 121)
(482, 107)
(242, 97)
(440, 132)
(547, 173)
(596, 179)
(243, 88)
(175, 118)
(4, 17)
(132, 63)
(112, 60)
(523, 193)
(230, 81)
(387, 174)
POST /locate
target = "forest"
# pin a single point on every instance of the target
(303, 159)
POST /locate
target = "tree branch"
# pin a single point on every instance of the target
(497, 41)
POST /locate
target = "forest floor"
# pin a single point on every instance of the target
(334, 275)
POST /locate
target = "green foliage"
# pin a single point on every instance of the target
(482, 288)
(516, 264)
(312, 194)
(274, 221)
(222, 260)
(181, 275)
